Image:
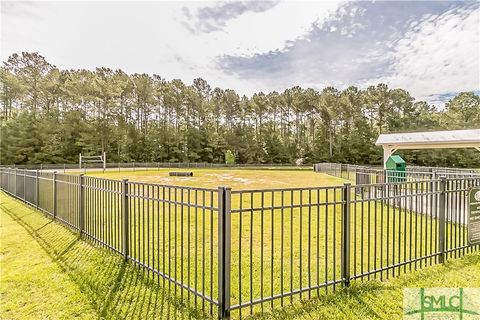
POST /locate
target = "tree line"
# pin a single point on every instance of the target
(51, 115)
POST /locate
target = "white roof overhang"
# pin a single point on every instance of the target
(431, 140)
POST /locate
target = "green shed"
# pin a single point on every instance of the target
(396, 168)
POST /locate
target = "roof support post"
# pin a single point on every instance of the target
(387, 152)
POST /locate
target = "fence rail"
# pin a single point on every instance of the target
(371, 175)
(125, 166)
(236, 252)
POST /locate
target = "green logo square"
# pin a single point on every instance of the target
(441, 303)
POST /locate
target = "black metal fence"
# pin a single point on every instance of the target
(170, 232)
(237, 252)
(132, 166)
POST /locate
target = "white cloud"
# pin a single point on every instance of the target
(151, 37)
(441, 54)
(261, 32)
(252, 33)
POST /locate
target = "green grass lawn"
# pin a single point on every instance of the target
(237, 179)
(48, 272)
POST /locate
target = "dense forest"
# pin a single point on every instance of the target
(51, 115)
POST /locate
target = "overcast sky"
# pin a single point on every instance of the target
(431, 49)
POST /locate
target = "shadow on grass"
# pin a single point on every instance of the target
(115, 289)
(119, 290)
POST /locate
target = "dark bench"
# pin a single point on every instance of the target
(181, 174)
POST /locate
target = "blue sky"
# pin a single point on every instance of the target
(430, 48)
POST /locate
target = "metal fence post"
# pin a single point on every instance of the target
(434, 190)
(346, 234)
(441, 218)
(125, 207)
(54, 194)
(81, 206)
(224, 239)
(25, 185)
(15, 183)
(37, 184)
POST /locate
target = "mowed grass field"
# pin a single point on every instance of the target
(273, 250)
(48, 272)
(237, 179)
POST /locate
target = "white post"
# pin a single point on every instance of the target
(80, 161)
(104, 161)
(387, 152)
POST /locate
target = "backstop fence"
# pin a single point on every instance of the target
(237, 252)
